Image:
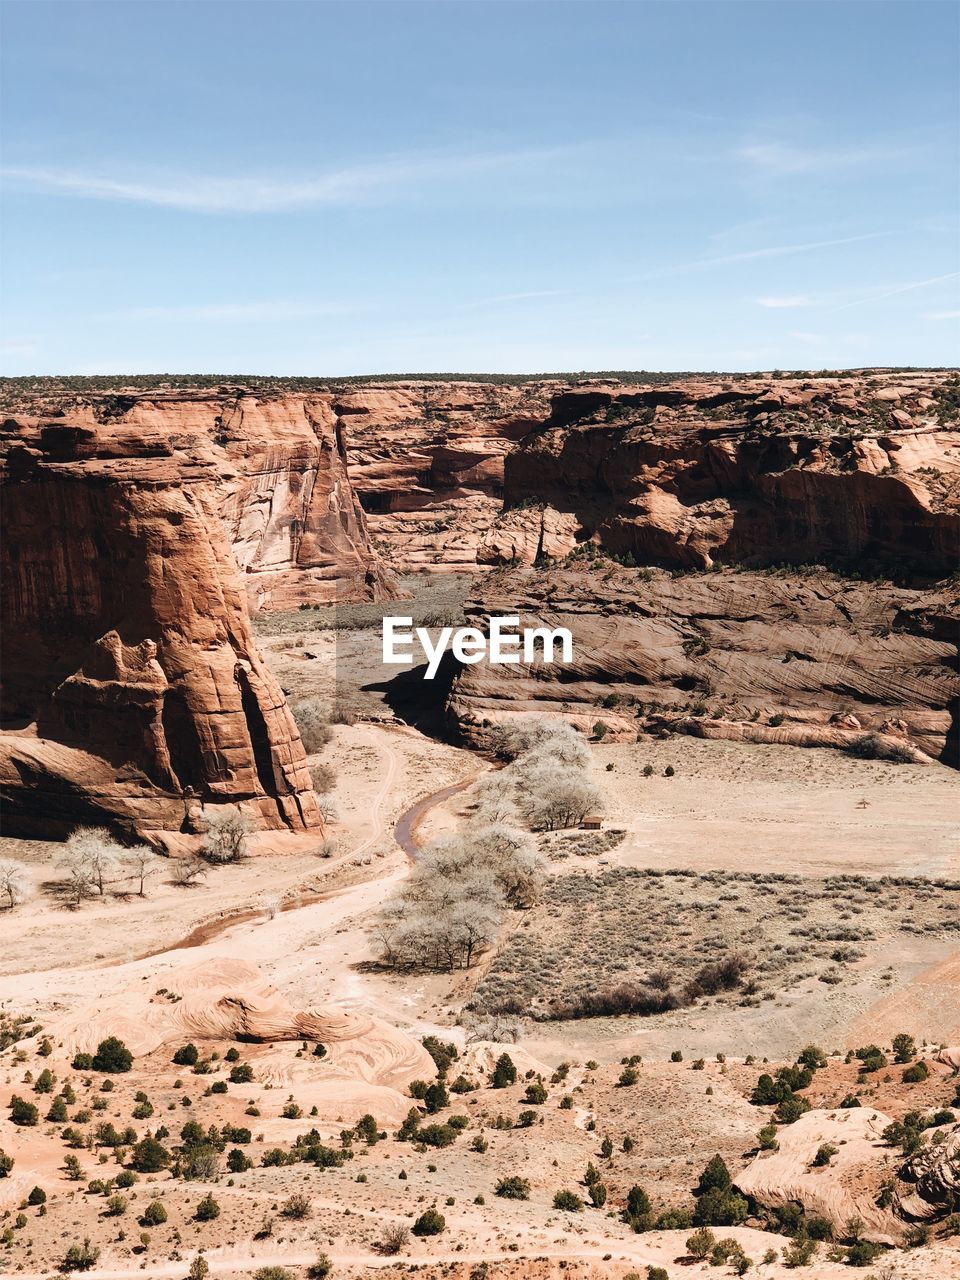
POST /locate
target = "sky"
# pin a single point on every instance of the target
(508, 186)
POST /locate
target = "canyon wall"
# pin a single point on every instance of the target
(811, 659)
(133, 691)
(851, 471)
(427, 459)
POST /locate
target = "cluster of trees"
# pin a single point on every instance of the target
(450, 908)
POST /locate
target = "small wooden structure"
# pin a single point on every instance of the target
(592, 822)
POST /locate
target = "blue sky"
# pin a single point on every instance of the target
(329, 189)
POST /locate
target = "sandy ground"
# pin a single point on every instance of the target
(299, 925)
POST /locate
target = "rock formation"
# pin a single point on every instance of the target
(844, 1189)
(933, 1181)
(841, 470)
(427, 459)
(132, 686)
(808, 659)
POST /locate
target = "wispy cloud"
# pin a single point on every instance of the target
(235, 312)
(529, 294)
(783, 159)
(898, 289)
(787, 301)
(768, 251)
(350, 185)
(942, 315)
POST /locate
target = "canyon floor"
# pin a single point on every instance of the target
(796, 856)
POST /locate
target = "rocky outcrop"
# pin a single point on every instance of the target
(427, 459)
(810, 659)
(932, 1179)
(842, 1190)
(278, 462)
(841, 471)
(133, 691)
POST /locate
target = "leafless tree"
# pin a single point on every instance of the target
(313, 721)
(142, 862)
(96, 849)
(14, 883)
(187, 871)
(225, 838)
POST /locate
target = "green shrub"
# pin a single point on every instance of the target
(112, 1056)
(207, 1209)
(430, 1223)
(513, 1188)
(154, 1215)
(569, 1201)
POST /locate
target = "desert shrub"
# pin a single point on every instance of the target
(904, 1048)
(436, 1135)
(242, 1073)
(188, 1055)
(37, 1196)
(504, 1072)
(862, 1252)
(296, 1207)
(701, 1242)
(715, 1177)
(23, 1113)
(569, 1201)
(320, 1268)
(154, 1215)
(80, 1257)
(535, 1094)
(513, 1188)
(720, 1208)
(149, 1156)
(6, 1164)
(312, 720)
(58, 1111)
(237, 1162)
(395, 1236)
(273, 1273)
(112, 1056)
(825, 1153)
(430, 1223)
(207, 1209)
(873, 746)
(916, 1073)
(635, 999)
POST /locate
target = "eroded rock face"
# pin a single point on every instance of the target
(278, 463)
(932, 1179)
(427, 460)
(807, 659)
(132, 684)
(835, 470)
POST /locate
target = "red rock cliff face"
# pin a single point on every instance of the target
(278, 464)
(426, 460)
(837, 470)
(133, 690)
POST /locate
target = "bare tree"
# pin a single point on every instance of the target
(142, 862)
(80, 884)
(313, 721)
(187, 871)
(14, 883)
(96, 849)
(225, 838)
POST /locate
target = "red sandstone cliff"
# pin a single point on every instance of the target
(813, 659)
(838, 470)
(426, 461)
(132, 686)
